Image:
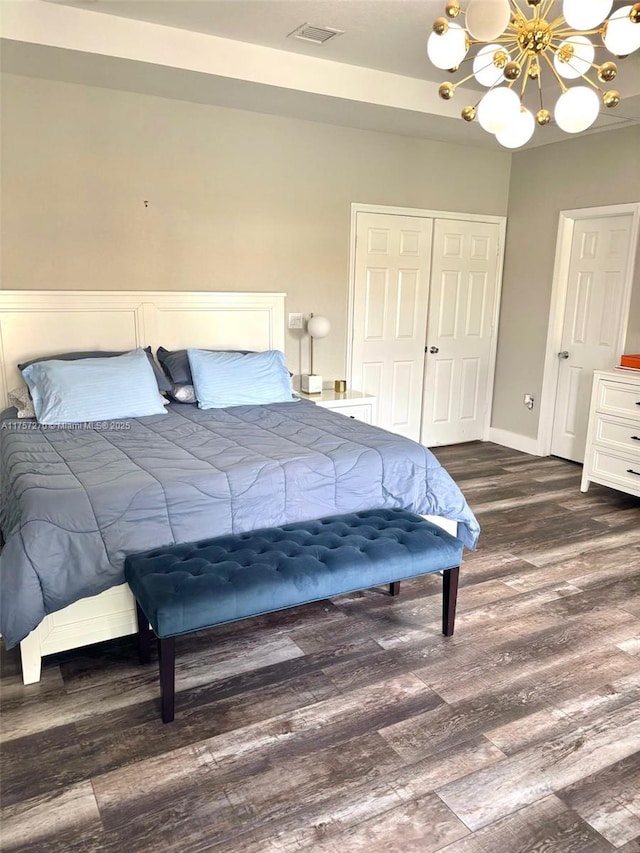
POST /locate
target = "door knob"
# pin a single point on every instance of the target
(434, 350)
(563, 354)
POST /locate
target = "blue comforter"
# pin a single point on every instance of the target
(75, 501)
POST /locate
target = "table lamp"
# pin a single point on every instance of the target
(317, 327)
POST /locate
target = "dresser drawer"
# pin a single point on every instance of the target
(618, 398)
(359, 413)
(620, 472)
(617, 434)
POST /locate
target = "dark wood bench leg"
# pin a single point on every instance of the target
(144, 636)
(167, 659)
(394, 588)
(449, 599)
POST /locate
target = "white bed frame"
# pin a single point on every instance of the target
(35, 323)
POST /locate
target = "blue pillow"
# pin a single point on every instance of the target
(224, 379)
(175, 364)
(161, 379)
(93, 389)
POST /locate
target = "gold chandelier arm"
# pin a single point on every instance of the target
(555, 48)
(465, 79)
(525, 78)
(520, 57)
(591, 83)
(540, 91)
(466, 59)
(555, 73)
(548, 8)
(499, 40)
(571, 31)
(584, 76)
(542, 11)
(483, 68)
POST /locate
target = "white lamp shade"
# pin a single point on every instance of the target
(583, 55)
(449, 49)
(484, 70)
(622, 36)
(318, 326)
(519, 132)
(487, 19)
(585, 14)
(576, 109)
(498, 109)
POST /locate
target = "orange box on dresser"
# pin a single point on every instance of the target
(630, 361)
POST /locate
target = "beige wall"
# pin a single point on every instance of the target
(236, 200)
(588, 171)
(243, 201)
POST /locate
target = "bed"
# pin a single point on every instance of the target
(74, 503)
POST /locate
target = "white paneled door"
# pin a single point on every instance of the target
(464, 286)
(393, 255)
(592, 324)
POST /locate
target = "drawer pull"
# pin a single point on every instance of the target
(635, 438)
(631, 471)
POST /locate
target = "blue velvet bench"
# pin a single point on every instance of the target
(188, 587)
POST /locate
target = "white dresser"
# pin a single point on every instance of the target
(353, 404)
(612, 454)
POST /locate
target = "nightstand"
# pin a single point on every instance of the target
(353, 404)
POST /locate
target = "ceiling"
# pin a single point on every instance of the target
(388, 35)
(237, 53)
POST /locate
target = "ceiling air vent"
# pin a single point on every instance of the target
(317, 35)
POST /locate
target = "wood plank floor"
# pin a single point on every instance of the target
(354, 725)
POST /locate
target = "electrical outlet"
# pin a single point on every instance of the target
(295, 321)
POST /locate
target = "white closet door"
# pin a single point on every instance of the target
(464, 284)
(393, 255)
(600, 253)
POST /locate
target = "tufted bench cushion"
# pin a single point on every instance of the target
(187, 587)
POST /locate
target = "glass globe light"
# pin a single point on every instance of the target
(318, 326)
(487, 19)
(484, 70)
(576, 109)
(583, 55)
(585, 14)
(498, 109)
(622, 36)
(519, 131)
(449, 49)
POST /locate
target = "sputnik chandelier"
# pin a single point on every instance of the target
(512, 43)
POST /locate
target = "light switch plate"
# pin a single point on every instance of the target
(295, 321)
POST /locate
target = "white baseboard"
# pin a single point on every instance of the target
(514, 440)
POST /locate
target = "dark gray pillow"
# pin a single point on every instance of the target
(175, 363)
(161, 379)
